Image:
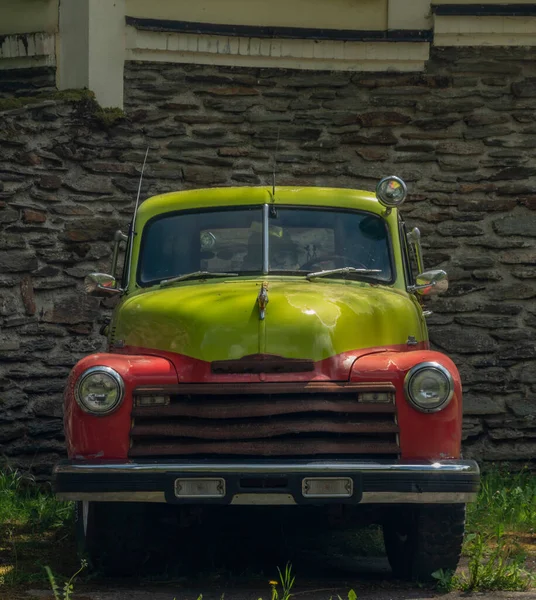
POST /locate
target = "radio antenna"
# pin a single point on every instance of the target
(139, 189)
(275, 159)
(133, 225)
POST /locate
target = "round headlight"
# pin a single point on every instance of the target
(99, 390)
(429, 387)
(391, 191)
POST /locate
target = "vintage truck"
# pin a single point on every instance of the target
(269, 347)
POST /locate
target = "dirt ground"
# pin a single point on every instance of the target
(320, 578)
(236, 560)
(372, 581)
(172, 593)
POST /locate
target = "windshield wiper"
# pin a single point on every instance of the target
(196, 275)
(342, 271)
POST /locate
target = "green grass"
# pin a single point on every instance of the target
(507, 499)
(32, 526)
(500, 535)
(23, 503)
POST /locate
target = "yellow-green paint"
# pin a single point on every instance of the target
(215, 320)
(219, 319)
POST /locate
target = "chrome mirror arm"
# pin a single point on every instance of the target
(118, 238)
(415, 288)
(110, 291)
(414, 238)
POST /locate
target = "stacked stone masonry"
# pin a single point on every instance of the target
(462, 134)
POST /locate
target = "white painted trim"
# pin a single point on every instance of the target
(91, 48)
(484, 31)
(28, 50)
(107, 51)
(276, 53)
(73, 46)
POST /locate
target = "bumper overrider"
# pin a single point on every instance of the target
(269, 482)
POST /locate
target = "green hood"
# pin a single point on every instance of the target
(219, 320)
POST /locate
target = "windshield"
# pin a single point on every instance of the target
(299, 241)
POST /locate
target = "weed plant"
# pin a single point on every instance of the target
(497, 523)
(67, 591)
(287, 580)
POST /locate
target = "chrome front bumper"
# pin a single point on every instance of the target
(269, 482)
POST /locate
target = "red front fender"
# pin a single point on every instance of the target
(422, 436)
(107, 436)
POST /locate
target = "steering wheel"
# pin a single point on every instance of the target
(344, 260)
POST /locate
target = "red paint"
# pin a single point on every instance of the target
(426, 436)
(105, 437)
(334, 368)
(422, 436)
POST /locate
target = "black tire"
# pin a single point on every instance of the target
(109, 535)
(420, 540)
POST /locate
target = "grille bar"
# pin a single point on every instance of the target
(263, 429)
(207, 409)
(287, 447)
(249, 388)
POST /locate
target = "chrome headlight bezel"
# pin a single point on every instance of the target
(384, 198)
(108, 371)
(430, 366)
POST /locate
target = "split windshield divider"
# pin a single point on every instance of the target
(265, 239)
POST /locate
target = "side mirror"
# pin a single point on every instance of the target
(431, 282)
(101, 284)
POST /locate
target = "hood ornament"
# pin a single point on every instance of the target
(262, 300)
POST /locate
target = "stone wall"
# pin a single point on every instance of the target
(463, 135)
(27, 82)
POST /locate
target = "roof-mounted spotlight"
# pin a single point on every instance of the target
(391, 192)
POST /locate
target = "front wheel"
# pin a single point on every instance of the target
(109, 535)
(422, 539)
